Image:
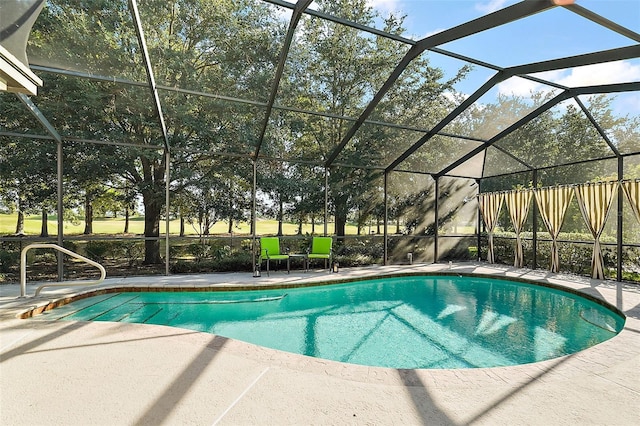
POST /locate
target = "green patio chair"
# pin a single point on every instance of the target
(270, 250)
(321, 249)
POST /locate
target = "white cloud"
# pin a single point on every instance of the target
(613, 72)
(520, 87)
(385, 6)
(610, 73)
(490, 6)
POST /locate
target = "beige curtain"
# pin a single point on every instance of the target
(490, 204)
(518, 204)
(632, 190)
(552, 203)
(595, 200)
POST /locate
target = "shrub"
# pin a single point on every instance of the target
(574, 254)
(70, 245)
(473, 252)
(246, 244)
(240, 261)
(200, 251)
(181, 267)
(355, 259)
(234, 262)
(8, 259)
(219, 250)
(186, 266)
(631, 259)
(176, 251)
(45, 255)
(132, 251)
(364, 247)
(98, 250)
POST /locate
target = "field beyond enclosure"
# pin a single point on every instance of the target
(121, 254)
(115, 226)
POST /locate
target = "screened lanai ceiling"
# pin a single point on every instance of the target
(445, 88)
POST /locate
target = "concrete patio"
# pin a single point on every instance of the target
(98, 373)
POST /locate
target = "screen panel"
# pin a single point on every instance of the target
(210, 124)
(500, 107)
(88, 109)
(97, 38)
(439, 152)
(377, 146)
(17, 118)
(552, 43)
(561, 135)
(220, 48)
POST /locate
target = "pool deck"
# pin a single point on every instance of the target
(99, 373)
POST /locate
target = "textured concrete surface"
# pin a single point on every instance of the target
(78, 373)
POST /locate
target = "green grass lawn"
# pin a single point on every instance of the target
(111, 226)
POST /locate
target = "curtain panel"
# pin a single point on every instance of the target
(552, 203)
(490, 204)
(595, 201)
(518, 203)
(632, 191)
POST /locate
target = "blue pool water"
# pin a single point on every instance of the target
(405, 322)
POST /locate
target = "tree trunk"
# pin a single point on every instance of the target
(207, 225)
(341, 224)
(88, 215)
(152, 208)
(126, 220)
(280, 216)
(44, 229)
(20, 222)
(398, 225)
(341, 216)
(181, 226)
(301, 218)
(230, 208)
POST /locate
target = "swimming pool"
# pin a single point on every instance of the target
(400, 322)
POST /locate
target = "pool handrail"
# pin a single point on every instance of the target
(23, 269)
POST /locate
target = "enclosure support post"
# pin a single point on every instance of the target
(435, 221)
(167, 171)
(253, 217)
(535, 223)
(620, 218)
(326, 200)
(60, 213)
(478, 220)
(385, 252)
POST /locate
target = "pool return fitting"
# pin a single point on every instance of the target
(23, 269)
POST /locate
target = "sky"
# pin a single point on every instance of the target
(548, 35)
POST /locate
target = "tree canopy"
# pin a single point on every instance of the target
(216, 66)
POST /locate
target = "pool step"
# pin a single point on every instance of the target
(67, 312)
